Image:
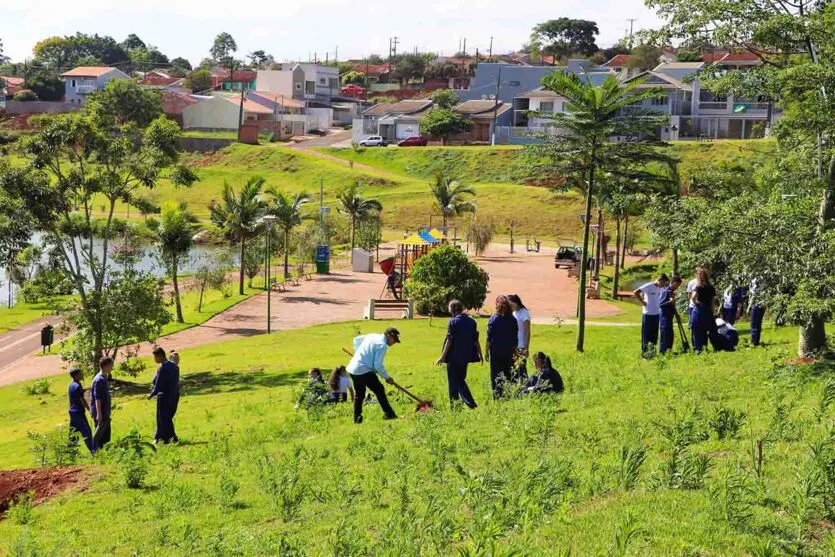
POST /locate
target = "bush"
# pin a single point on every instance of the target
(57, 448)
(39, 387)
(20, 510)
(25, 95)
(445, 274)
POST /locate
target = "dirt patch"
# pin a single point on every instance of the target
(45, 482)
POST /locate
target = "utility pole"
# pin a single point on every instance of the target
(336, 55)
(631, 28)
(490, 55)
(241, 114)
(465, 47)
(496, 105)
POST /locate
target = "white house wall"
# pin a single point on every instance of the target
(211, 114)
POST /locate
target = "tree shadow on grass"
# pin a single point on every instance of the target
(209, 382)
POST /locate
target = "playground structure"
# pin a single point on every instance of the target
(398, 268)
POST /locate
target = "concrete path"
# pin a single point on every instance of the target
(24, 340)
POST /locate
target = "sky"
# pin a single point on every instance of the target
(296, 29)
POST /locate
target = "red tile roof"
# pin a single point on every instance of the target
(159, 81)
(730, 57)
(240, 75)
(619, 61)
(88, 71)
(373, 69)
(249, 106)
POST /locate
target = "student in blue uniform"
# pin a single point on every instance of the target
(545, 380)
(668, 314)
(100, 406)
(701, 319)
(757, 312)
(166, 387)
(726, 338)
(461, 348)
(650, 297)
(78, 409)
(502, 343)
(731, 304)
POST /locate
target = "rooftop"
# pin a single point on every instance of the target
(619, 61)
(280, 99)
(89, 71)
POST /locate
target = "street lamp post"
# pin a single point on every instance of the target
(269, 220)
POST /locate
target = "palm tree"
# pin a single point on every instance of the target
(174, 238)
(602, 131)
(352, 204)
(449, 195)
(238, 213)
(287, 211)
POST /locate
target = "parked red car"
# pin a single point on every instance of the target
(414, 141)
(352, 90)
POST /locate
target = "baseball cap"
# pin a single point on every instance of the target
(394, 333)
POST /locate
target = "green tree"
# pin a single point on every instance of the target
(586, 147)
(375, 59)
(223, 50)
(444, 98)
(181, 63)
(199, 81)
(123, 101)
(449, 197)
(565, 36)
(444, 274)
(174, 239)
(45, 87)
(259, 59)
(796, 44)
(133, 42)
(287, 211)
(56, 53)
(444, 123)
(238, 216)
(357, 78)
(409, 66)
(210, 272)
(644, 57)
(3, 58)
(357, 208)
(78, 163)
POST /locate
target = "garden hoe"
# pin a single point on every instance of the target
(422, 405)
(685, 346)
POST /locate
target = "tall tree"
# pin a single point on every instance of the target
(123, 101)
(449, 197)
(56, 53)
(565, 36)
(133, 41)
(174, 239)
(181, 63)
(795, 42)
(357, 208)
(3, 58)
(444, 98)
(199, 81)
(78, 163)
(596, 137)
(444, 123)
(223, 50)
(288, 212)
(237, 215)
(258, 58)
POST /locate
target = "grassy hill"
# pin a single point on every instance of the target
(652, 457)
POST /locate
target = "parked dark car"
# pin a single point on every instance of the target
(567, 257)
(414, 141)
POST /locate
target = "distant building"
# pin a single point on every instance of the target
(85, 80)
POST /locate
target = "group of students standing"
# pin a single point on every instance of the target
(165, 388)
(659, 313)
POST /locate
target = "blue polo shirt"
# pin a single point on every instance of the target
(503, 335)
(667, 303)
(167, 379)
(76, 395)
(462, 334)
(100, 391)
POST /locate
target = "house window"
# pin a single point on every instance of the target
(513, 83)
(660, 101)
(546, 107)
(310, 87)
(323, 81)
(73, 84)
(298, 86)
(334, 83)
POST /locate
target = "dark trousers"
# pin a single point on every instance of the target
(79, 423)
(729, 315)
(702, 325)
(371, 382)
(757, 314)
(501, 372)
(667, 332)
(456, 375)
(166, 409)
(649, 332)
(101, 436)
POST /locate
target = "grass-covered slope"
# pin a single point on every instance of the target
(659, 441)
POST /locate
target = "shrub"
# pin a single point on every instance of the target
(57, 448)
(39, 387)
(480, 234)
(134, 471)
(445, 274)
(726, 422)
(20, 510)
(25, 95)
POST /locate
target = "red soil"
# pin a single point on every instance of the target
(46, 483)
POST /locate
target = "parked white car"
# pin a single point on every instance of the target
(373, 141)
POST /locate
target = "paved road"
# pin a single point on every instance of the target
(20, 342)
(325, 141)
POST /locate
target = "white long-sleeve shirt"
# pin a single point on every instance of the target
(369, 353)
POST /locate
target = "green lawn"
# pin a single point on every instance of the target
(659, 441)
(23, 313)
(214, 302)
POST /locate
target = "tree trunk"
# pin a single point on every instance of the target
(200, 299)
(811, 338)
(581, 303)
(625, 234)
(600, 257)
(286, 254)
(177, 306)
(675, 261)
(241, 281)
(353, 235)
(616, 279)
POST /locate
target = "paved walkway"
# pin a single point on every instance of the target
(24, 340)
(342, 296)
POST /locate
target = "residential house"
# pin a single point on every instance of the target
(288, 83)
(84, 80)
(374, 73)
(619, 64)
(394, 121)
(174, 103)
(224, 80)
(223, 113)
(540, 101)
(483, 115)
(9, 86)
(320, 82)
(291, 115)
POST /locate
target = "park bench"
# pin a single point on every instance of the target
(403, 307)
(593, 290)
(574, 270)
(278, 284)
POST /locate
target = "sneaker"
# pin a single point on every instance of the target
(357, 419)
(391, 417)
